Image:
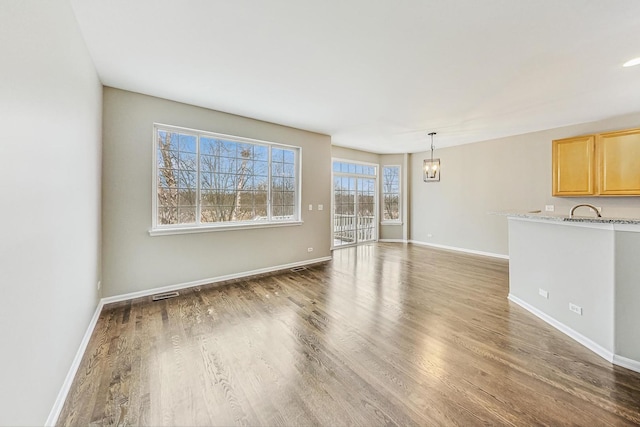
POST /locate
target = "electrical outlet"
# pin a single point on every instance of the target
(320, 207)
(575, 308)
(309, 249)
(549, 208)
(310, 207)
(543, 293)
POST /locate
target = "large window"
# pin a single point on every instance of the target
(391, 193)
(208, 180)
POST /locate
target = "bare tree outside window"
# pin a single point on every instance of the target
(177, 181)
(204, 179)
(391, 193)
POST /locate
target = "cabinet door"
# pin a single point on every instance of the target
(619, 159)
(574, 166)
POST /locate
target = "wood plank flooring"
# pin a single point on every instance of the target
(384, 334)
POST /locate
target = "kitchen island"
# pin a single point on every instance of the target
(582, 276)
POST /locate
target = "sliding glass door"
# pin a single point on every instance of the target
(354, 203)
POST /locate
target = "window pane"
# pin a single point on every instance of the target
(391, 192)
(228, 148)
(187, 143)
(167, 197)
(187, 179)
(289, 156)
(167, 216)
(186, 198)
(186, 215)
(277, 155)
(260, 182)
(177, 166)
(168, 141)
(187, 161)
(289, 170)
(260, 152)
(282, 171)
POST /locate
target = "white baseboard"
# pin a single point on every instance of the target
(170, 288)
(591, 345)
(52, 419)
(631, 364)
(453, 248)
(392, 241)
(66, 386)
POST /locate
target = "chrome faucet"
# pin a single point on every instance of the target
(573, 209)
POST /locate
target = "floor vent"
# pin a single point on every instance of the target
(296, 269)
(160, 297)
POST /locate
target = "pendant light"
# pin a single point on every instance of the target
(432, 166)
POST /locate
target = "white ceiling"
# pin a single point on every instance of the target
(377, 75)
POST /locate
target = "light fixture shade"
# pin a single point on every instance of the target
(431, 170)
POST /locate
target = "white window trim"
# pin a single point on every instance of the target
(210, 228)
(391, 221)
(163, 230)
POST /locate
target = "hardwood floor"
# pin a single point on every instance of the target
(385, 334)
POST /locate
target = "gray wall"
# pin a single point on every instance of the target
(627, 295)
(575, 264)
(134, 261)
(50, 115)
(511, 173)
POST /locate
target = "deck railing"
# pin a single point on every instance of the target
(346, 228)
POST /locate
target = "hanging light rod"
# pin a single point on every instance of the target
(431, 135)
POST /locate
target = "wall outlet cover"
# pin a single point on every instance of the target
(575, 308)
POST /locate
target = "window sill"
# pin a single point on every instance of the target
(391, 223)
(210, 228)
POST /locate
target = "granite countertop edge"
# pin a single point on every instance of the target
(565, 218)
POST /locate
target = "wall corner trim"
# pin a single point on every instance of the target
(453, 248)
(625, 362)
(609, 356)
(52, 419)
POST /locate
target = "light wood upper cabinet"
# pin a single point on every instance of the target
(574, 169)
(606, 164)
(619, 158)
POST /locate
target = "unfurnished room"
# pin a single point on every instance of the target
(327, 213)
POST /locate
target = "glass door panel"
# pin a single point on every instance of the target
(354, 209)
(344, 206)
(365, 202)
